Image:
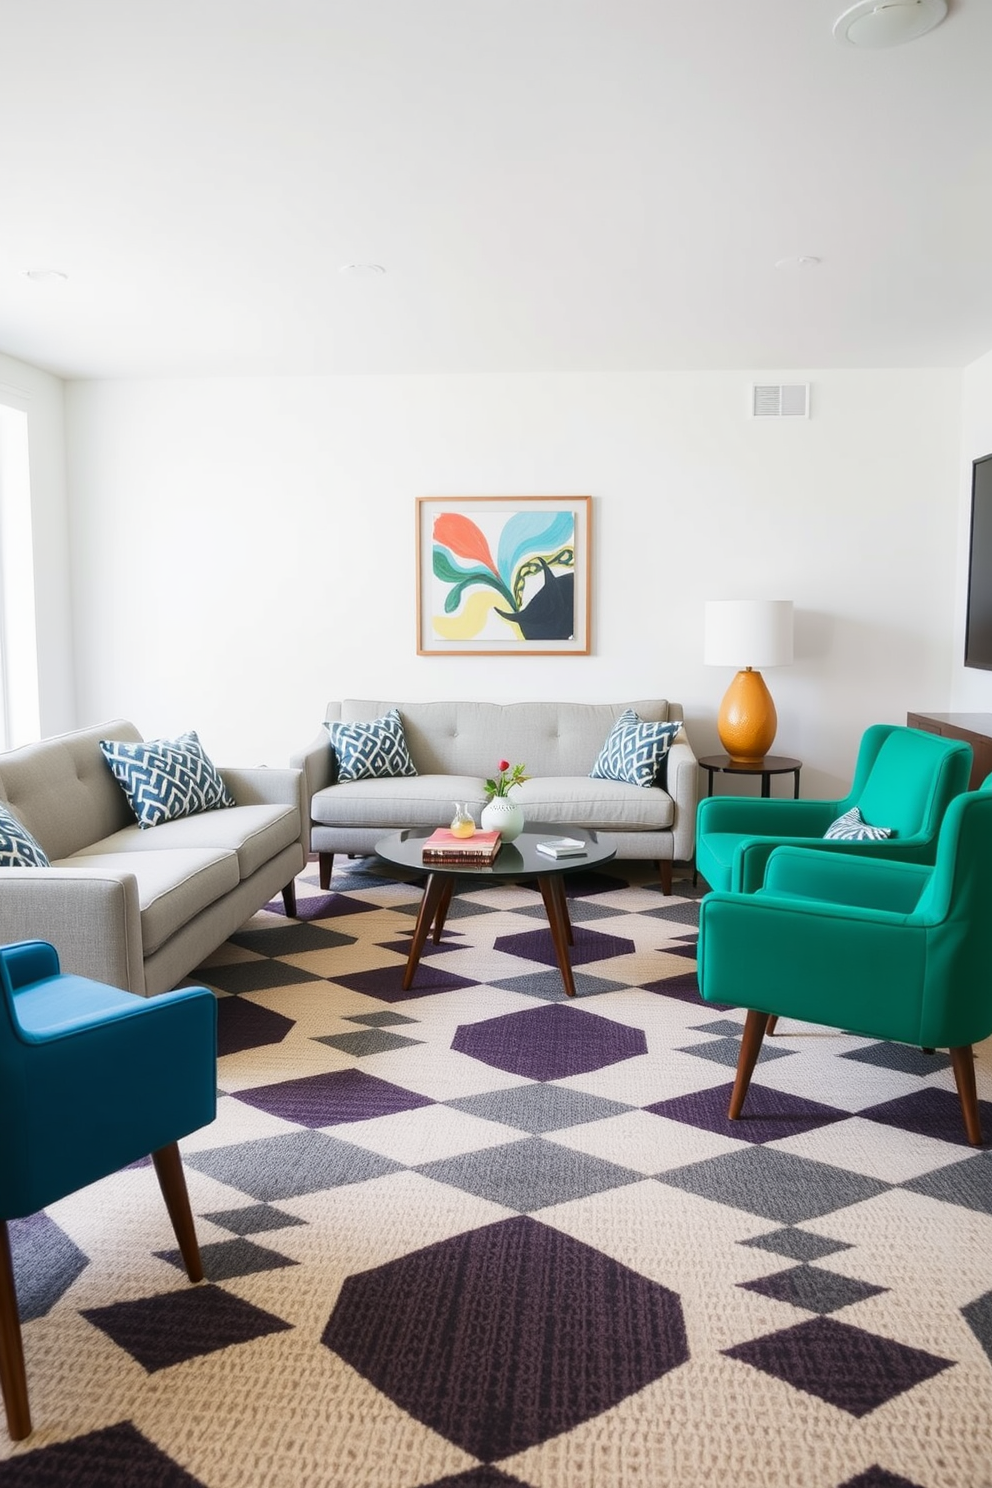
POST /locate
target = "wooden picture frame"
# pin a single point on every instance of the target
(484, 561)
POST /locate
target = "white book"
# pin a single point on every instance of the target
(562, 847)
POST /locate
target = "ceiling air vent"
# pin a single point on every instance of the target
(780, 400)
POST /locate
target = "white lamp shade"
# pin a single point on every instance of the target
(748, 632)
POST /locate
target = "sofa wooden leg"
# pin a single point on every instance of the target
(326, 863)
(172, 1182)
(289, 899)
(13, 1376)
(666, 875)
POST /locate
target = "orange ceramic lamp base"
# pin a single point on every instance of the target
(747, 719)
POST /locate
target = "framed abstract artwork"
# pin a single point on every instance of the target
(503, 575)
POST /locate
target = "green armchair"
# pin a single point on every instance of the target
(903, 779)
(890, 950)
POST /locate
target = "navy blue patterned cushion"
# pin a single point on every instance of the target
(18, 849)
(166, 778)
(371, 751)
(635, 752)
(851, 828)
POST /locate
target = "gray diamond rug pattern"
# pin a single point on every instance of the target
(473, 1233)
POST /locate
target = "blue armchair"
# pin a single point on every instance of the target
(91, 1078)
(903, 779)
(891, 950)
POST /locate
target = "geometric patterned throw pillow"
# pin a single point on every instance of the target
(166, 778)
(18, 849)
(851, 828)
(635, 751)
(371, 751)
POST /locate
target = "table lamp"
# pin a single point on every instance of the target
(747, 634)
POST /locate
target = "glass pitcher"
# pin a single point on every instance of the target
(462, 823)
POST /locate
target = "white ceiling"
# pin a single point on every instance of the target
(557, 185)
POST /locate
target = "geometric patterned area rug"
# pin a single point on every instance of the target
(478, 1235)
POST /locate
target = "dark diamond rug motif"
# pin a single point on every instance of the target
(277, 1168)
(774, 1184)
(433, 1331)
(813, 1288)
(587, 945)
(847, 1367)
(116, 1457)
(768, 1114)
(246, 1025)
(530, 1174)
(326, 1100)
(161, 1331)
(46, 1263)
(549, 1043)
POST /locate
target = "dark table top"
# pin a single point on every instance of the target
(772, 764)
(517, 859)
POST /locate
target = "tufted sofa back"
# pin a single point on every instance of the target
(62, 790)
(470, 738)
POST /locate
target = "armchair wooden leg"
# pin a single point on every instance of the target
(13, 1377)
(963, 1061)
(325, 863)
(772, 1020)
(665, 867)
(172, 1182)
(289, 899)
(754, 1032)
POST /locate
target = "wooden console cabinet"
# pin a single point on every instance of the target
(974, 728)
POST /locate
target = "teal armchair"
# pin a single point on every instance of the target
(91, 1078)
(890, 950)
(903, 779)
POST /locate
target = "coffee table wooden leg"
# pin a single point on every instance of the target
(442, 909)
(433, 895)
(560, 929)
(558, 886)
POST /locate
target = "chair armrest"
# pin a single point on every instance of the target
(751, 857)
(64, 1007)
(28, 961)
(772, 816)
(682, 783)
(91, 917)
(801, 872)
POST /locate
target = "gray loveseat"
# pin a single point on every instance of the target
(455, 746)
(140, 908)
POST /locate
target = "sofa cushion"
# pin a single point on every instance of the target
(18, 849)
(174, 885)
(635, 750)
(255, 833)
(166, 778)
(418, 801)
(375, 750)
(600, 805)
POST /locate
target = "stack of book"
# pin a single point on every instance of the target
(477, 851)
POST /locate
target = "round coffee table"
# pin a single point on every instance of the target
(517, 859)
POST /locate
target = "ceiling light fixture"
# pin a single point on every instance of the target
(361, 270)
(887, 23)
(43, 276)
(803, 261)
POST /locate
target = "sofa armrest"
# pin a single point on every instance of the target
(683, 786)
(317, 764)
(92, 919)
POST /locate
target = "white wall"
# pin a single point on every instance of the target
(41, 396)
(971, 690)
(243, 550)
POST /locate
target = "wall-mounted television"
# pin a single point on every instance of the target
(978, 625)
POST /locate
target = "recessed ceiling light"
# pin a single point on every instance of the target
(804, 261)
(886, 23)
(361, 270)
(43, 275)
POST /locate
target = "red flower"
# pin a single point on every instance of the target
(504, 764)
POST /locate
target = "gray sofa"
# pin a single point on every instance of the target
(457, 745)
(137, 908)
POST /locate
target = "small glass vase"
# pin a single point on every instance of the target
(463, 822)
(503, 816)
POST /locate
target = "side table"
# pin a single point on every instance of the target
(772, 764)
